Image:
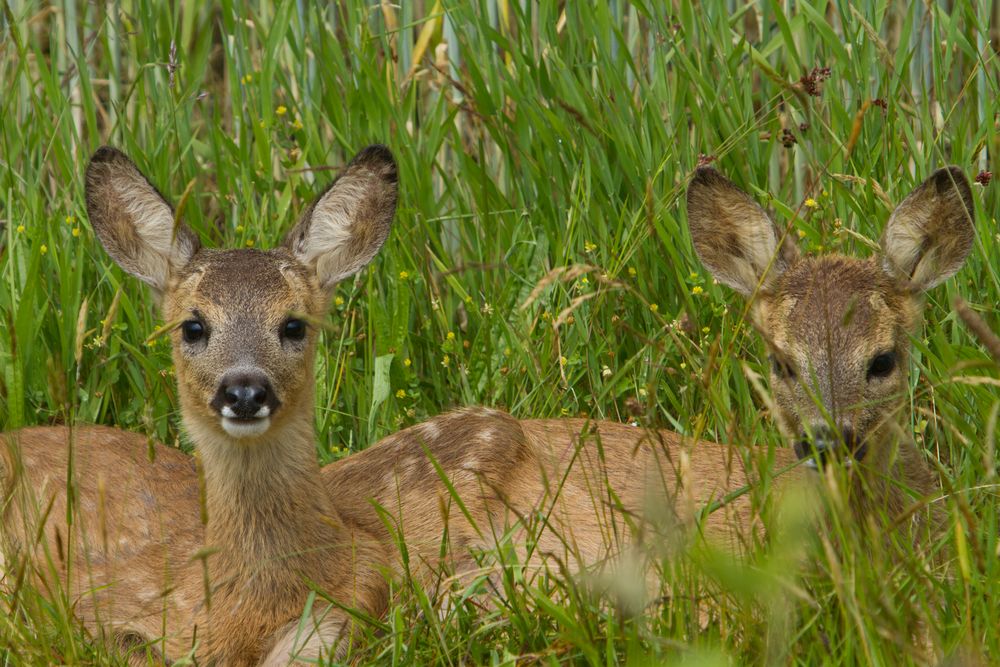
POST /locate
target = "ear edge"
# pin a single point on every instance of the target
(951, 180)
(124, 243)
(373, 156)
(728, 255)
(377, 156)
(375, 165)
(946, 184)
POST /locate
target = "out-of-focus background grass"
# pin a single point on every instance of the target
(531, 137)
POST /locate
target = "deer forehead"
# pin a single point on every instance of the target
(245, 285)
(837, 307)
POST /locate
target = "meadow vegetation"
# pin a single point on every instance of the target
(539, 262)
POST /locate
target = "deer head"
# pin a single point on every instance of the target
(244, 320)
(837, 328)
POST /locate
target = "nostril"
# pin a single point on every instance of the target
(802, 449)
(258, 394)
(232, 394)
(818, 450)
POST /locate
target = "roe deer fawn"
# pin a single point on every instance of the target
(837, 328)
(140, 565)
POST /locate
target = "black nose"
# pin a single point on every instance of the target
(821, 451)
(826, 442)
(244, 395)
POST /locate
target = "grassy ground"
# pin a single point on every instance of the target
(530, 137)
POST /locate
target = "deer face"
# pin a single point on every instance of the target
(244, 345)
(839, 342)
(837, 328)
(243, 321)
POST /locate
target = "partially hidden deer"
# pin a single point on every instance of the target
(215, 556)
(838, 328)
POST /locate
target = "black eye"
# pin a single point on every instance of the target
(882, 365)
(192, 331)
(294, 330)
(781, 368)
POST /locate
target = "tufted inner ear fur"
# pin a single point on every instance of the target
(133, 221)
(733, 236)
(346, 226)
(930, 233)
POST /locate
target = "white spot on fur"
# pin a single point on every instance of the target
(246, 429)
(430, 430)
(389, 480)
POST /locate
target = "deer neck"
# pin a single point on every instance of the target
(269, 515)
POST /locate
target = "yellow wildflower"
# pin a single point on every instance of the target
(249, 243)
(697, 289)
(653, 307)
(403, 275)
(20, 229)
(589, 247)
(297, 124)
(400, 394)
(445, 361)
(281, 110)
(76, 231)
(339, 301)
(811, 203)
(631, 271)
(802, 233)
(451, 335)
(44, 249)
(407, 362)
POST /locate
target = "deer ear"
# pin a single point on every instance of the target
(133, 221)
(733, 236)
(930, 233)
(348, 223)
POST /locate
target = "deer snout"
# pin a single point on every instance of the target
(245, 395)
(824, 444)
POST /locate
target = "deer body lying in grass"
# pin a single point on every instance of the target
(146, 563)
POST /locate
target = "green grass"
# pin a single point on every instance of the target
(550, 139)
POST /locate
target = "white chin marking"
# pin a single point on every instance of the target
(238, 428)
